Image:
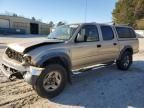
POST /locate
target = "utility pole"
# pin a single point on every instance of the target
(85, 13)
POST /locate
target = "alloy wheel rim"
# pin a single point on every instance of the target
(126, 61)
(52, 81)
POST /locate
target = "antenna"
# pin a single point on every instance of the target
(85, 13)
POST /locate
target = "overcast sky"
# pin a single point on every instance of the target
(71, 11)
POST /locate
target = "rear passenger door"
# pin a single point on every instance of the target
(110, 47)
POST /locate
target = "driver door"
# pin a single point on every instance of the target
(84, 50)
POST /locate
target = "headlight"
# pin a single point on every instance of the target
(26, 60)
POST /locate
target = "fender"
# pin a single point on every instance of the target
(124, 49)
(63, 56)
(52, 55)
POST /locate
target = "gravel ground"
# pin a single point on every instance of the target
(106, 87)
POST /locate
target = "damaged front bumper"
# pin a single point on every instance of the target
(32, 75)
(29, 74)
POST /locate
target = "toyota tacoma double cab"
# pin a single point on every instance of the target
(48, 64)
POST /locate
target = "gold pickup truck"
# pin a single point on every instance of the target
(49, 63)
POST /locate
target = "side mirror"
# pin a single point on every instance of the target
(80, 36)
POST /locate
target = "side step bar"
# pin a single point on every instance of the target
(75, 72)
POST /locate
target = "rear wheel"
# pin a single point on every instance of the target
(52, 81)
(125, 62)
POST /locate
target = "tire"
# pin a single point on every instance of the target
(125, 62)
(45, 81)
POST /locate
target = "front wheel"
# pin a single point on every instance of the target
(125, 62)
(52, 81)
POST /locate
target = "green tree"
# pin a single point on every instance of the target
(61, 23)
(33, 18)
(14, 14)
(128, 11)
(51, 24)
(139, 9)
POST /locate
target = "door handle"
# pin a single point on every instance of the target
(98, 46)
(114, 43)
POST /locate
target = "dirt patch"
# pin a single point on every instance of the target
(16, 94)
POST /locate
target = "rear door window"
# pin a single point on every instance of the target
(107, 33)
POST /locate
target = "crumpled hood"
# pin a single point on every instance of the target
(23, 47)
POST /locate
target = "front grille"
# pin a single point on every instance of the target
(14, 55)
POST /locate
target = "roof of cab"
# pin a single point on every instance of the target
(115, 25)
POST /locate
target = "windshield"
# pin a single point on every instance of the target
(63, 32)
